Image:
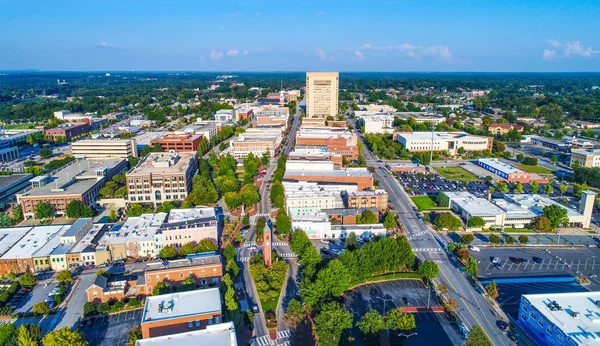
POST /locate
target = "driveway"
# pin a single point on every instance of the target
(112, 330)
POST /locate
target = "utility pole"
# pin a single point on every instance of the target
(431, 154)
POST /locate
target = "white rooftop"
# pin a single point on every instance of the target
(438, 136)
(222, 334)
(474, 205)
(183, 304)
(350, 172)
(10, 236)
(33, 241)
(536, 203)
(500, 166)
(141, 228)
(87, 239)
(302, 189)
(584, 330)
(367, 192)
(177, 215)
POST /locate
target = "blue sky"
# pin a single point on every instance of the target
(351, 35)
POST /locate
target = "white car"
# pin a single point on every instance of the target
(496, 260)
(474, 248)
(324, 241)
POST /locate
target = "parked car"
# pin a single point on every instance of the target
(255, 309)
(496, 260)
(474, 248)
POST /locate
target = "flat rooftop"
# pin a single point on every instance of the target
(36, 239)
(141, 228)
(190, 303)
(76, 227)
(324, 133)
(501, 166)
(100, 141)
(222, 334)
(536, 203)
(88, 239)
(367, 193)
(146, 137)
(585, 330)
(587, 152)
(75, 178)
(348, 172)
(200, 259)
(180, 215)
(169, 163)
(474, 205)
(6, 181)
(438, 136)
(417, 115)
(10, 236)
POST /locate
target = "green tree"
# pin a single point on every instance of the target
(250, 194)
(535, 187)
(17, 213)
(136, 333)
(135, 209)
(89, 309)
(367, 217)
(541, 223)
(7, 334)
(64, 336)
(206, 245)
(45, 153)
(331, 323)
(518, 188)
(467, 239)
(492, 290)
(476, 221)
(552, 113)
(336, 277)
(27, 280)
(41, 308)
(502, 187)
(294, 314)
(161, 288)
(397, 320)
(478, 337)
(563, 188)
(371, 323)
(447, 221)
(283, 223)
(76, 209)
(230, 300)
(494, 239)
(233, 200)
(229, 253)
(451, 246)
(510, 240)
(471, 267)
(277, 194)
(523, 239)
(554, 159)
(25, 338)
(246, 220)
(548, 189)
(429, 270)
(64, 277)
(556, 214)
(233, 268)
(168, 252)
(389, 221)
(44, 210)
(351, 242)
(113, 216)
(186, 249)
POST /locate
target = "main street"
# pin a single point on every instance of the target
(473, 306)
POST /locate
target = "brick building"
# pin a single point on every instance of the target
(367, 199)
(181, 312)
(179, 143)
(68, 131)
(360, 176)
(104, 290)
(80, 180)
(346, 216)
(339, 141)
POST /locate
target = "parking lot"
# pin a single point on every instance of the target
(539, 262)
(534, 239)
(432, 328)
(112, 330)
(418, 185)
(38, 294)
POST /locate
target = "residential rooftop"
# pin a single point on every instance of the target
(222, 334)
(584, 330)
(75, 178)
(182, 304)
(163, 162)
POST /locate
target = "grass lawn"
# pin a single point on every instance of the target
(271, 305)
(533, 169)
(425, 203)
(456, 173)
(19, 126)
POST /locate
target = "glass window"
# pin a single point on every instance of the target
(190, 324)
(197, 323)
(210, 321)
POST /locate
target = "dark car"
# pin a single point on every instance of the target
(512, 336)
(255, 308)
(405, 301)
(81, 323)
(537, 260)
(90, 322)
(502, 325)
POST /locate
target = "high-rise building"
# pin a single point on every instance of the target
(322, 94)
(586, 207)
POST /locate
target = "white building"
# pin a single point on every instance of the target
(379, 123)
(304, 198)
(225, 115)
(444, 141)
(586, 157)
(317, 226)
(105, 148)
(561, 318)
(310, 165)
(421, 117)
(222, 334)
(322, 94)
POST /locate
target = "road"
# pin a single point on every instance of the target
(264, 209)
(473, 306)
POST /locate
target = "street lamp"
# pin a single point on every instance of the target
(384, 300)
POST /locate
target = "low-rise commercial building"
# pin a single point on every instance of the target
(256, 142)
(104, 290)
(407, 167)
(504, 170)
(67, 131)
(346, 216)
(181, 312)
(11, 185)
(206, 128)
(188, 226)
(135, 238)
(105, 148)
(9, 154)
(318, 226)
(421, 117)
(316, 154)
(450, 142)
(586, 157)
(225, 115)
(12, 138)
(361, 176)
(222, 334)
(80, 180)
(558, 319)
(378, 123)
(262, 121)
(311, 165)
(368, 199)
(178, 143)
(306, 198)
(160, 177)
(550, 143)
(336, 140)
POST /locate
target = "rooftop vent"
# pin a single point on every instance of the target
(575, 315)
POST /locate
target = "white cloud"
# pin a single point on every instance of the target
(441, 52)
(406, 47)
(554, 43)
(237, 14)
(105, 45)
(320, 13)
(569, 49)
(322, 54)
(233, 52)
(549, 54)
(358, 55)
(411, 54)
(366, 46)
(245, 52)
(214, 55)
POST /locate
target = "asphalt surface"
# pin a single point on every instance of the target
(112, 330)
(474, 309)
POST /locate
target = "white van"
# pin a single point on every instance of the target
(474, 248)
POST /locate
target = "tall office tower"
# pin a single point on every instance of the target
(322, 94)
(586, 206)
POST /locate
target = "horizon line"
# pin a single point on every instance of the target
(281, 71)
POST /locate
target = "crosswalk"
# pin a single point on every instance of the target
(429, 250)
(249, 244)
(288, 255)
(416, 234)
(264, 340)
(280, 243)
(244, 259)
(261, 215)
(283, 334)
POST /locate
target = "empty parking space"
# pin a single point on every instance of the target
(112, 329)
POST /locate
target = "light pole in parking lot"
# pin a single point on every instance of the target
(384, 300)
